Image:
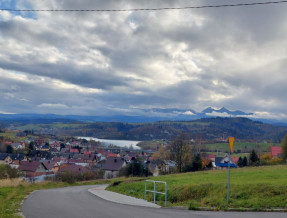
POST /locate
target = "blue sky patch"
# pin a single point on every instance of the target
(14, 4)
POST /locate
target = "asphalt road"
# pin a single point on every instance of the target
(77, 202)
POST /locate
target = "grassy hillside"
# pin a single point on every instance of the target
(258, 187)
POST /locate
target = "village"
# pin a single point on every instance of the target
(42, 157)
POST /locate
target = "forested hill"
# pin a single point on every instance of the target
(206, 128)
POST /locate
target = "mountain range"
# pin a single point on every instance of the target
(144, 115)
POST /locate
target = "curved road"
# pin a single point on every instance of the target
(77, 202)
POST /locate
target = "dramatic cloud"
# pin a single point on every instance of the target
(104, 63)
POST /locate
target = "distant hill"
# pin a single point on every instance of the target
(145, 115)
(205, 128)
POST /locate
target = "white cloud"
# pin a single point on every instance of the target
(92, 61)
(55, 106)
(219, 114)
(188, 113)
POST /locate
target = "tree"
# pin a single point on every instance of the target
(3, 174)
(161, 155)
(284, 148)
(197, 162)
(240, 162)
(245, 162)
(254, 160)
(12, 172)
(135, 168)
(62, 145)
(180, 151)
(9, 149)
(31, 146)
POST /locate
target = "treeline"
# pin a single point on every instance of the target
(208, 128)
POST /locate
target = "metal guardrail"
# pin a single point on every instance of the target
(154, 190)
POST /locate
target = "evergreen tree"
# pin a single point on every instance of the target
(245, 162)
(9, 149)
(31, 146)
(240, 162)
(253, 158)
(197, 163)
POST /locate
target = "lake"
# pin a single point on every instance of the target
(120, 143)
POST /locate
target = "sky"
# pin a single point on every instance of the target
(107, 63)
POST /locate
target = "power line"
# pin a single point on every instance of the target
(144, 9)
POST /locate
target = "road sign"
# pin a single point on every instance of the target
(231, 141)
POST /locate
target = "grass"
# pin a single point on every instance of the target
(265, 147)
(254, 187)
(52, 125)
(13, 193)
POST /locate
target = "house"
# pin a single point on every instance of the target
(18, 146)
(60, 160)
(113, 155)
(90, 159)
(222, 162)
(276, 151)
(79, 162)
(74, 150)
(51, 166)
(45, 148)
(33, 168)
(5, 159)
(154, 169)
(112, 166)
(19, 157)
(234, 160)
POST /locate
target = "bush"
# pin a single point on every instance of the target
(136, 168)
(70, 177)
(3, 174)
(12, 172)
(8, 172)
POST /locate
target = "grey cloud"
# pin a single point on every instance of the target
(130, 62)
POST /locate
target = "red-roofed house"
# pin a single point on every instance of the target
(276, 151)
(74, 150)
(234, 159)
(112, 155)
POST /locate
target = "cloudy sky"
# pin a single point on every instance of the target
(104, 63)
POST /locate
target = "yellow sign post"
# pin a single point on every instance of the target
(231, 141)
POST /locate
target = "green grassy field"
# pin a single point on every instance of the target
(254, 187)
(53, 125)
(264, 147)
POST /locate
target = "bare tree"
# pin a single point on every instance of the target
(180, 150)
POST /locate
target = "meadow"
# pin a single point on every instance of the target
(252, 187)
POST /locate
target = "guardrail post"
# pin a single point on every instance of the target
(145, 190)
(165, 195)
(154, 192)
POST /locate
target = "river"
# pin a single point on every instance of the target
(120, 143)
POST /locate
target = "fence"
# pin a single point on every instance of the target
(154, 190)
